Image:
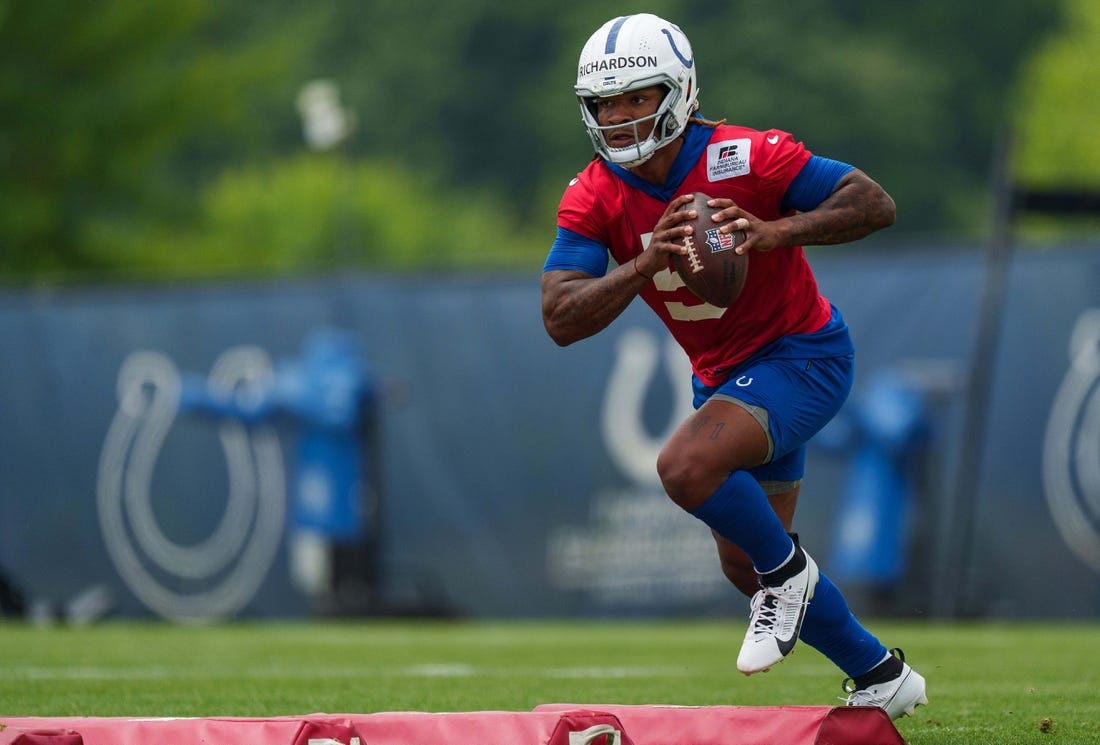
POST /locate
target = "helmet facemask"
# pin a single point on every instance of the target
(666, 127)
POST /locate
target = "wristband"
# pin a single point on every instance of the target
(639, 271)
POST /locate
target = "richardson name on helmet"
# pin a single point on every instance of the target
(617, 63)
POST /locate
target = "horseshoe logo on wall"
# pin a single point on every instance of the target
(637, 359)
(216, 577)
(1071, 451)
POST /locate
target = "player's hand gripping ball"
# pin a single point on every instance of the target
(711, 268)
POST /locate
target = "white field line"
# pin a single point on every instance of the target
(428, 670)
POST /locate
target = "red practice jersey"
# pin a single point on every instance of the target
(780, 297)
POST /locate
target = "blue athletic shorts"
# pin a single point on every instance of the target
(794, 387)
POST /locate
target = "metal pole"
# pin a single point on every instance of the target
(957, 569)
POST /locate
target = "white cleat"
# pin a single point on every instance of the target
(775, 620)
(897, 697)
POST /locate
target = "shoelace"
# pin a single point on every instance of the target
(862, 698)
(764, 612)
(770, 609)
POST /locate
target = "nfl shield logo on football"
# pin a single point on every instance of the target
(719, 241)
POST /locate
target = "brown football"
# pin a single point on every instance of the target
(711, 268)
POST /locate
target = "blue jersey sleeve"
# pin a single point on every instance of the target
(571, 250)
(814, 183)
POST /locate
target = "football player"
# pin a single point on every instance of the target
(770, 370)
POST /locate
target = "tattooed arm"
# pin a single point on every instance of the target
(576, 305)
(857, 207)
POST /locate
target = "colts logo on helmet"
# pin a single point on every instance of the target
(672, 43)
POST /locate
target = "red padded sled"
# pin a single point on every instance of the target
(549, 724)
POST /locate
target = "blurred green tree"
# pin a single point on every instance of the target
(113, 112)
(314, 211)
(144, 137)
(1055, 148)
(1058, 103)
(482, 93)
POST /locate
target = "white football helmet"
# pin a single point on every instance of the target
(632, 52)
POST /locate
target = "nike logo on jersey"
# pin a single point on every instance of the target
(773, 139)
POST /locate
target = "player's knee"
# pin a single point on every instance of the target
(685, 483)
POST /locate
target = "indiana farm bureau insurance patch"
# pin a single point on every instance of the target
(728, 159)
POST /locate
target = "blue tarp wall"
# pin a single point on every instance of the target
(515, 478)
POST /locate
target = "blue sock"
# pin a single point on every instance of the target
(739, 511)
(830, 628)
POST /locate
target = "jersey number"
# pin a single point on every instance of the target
(667, 280)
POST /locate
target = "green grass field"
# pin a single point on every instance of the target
(988, 683)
